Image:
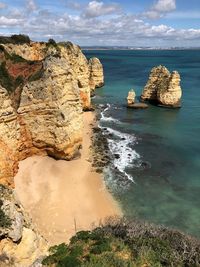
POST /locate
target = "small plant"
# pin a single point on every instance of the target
(16, 58)
(69, 261)
(82, 235)
(2, 48)
(5, 80)
(5, 221)
(52, 42)
(15, 39)
(20, 39)
(57, 253)
(89, 249)
(102, 245)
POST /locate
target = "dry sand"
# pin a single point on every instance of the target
(63, 197)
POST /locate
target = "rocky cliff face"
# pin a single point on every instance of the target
(96, 73)
(20, 244)
(88, 74)
(163, 87)
(42, 95)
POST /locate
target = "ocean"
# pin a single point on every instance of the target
(157, 149)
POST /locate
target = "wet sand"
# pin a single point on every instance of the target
(63, 197)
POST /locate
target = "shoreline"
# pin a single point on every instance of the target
(81, 202)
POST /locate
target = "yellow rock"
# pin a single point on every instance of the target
(47, 118)
(27, 251)
(163, 87)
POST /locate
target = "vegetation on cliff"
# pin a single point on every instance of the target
(4, 219)
(15, 39)
(15, 72)
(127, 244)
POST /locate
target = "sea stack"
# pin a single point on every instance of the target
(131, 97)
(163, 88)
(96, 73)
(131, 101)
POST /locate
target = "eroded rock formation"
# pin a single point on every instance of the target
(131, 97)
(20, 244)
(163, 88)
(43, 91)
(44, 88)
(96, 73)
(131, 101)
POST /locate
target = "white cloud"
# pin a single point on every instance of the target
(164, 6)
(7, 22)
(90, 28)
(160, 8)
(97, 9)
(120, 30)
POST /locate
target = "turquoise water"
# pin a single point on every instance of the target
(164, 162)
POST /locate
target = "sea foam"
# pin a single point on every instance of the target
(119, 145)
(108, 119)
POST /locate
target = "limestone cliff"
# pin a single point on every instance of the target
(96, 73)
(20, 244)
(89, 74)
(163, 88)
(43, 90)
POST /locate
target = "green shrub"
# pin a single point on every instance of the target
(57, 253)
(5, 221)
(5, 40)
(52, 42)
(69, 261)
(108, 260)
(101, 246)
(88, 248)
(15, 39)
(16, 58)
(5, 79)
(164, 253)
(76, 251)
(20, 39)
(2, 48)
(129, 244)
(82, 235)
(66, 44)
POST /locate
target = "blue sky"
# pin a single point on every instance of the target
(160, 23)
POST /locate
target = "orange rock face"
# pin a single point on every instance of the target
(41, 103)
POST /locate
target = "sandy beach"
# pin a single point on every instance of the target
(63, 197)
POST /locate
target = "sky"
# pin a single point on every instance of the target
(155, 23)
